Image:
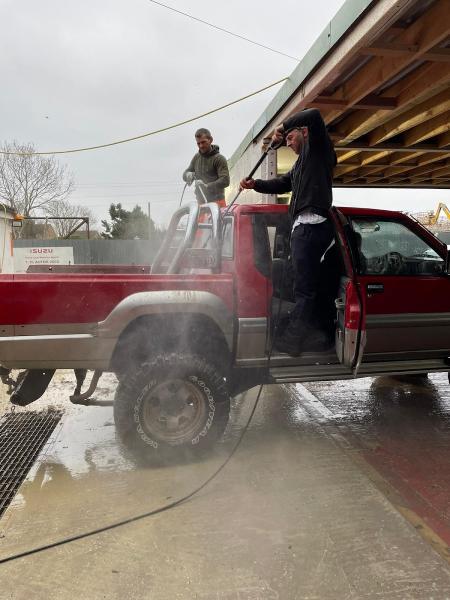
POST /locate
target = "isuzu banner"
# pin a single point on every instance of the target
(42, 255)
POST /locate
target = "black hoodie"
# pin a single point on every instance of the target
(212, 169)
(310, 179)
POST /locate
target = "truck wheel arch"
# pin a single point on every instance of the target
(153, 334)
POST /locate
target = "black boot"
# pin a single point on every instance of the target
(299, 338)
(291, 341)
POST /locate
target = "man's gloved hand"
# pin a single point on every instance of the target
(190, 177)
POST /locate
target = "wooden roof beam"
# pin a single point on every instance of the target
(367, 161)
(419, 85)
(364, 184)
(438, 55)
(419, 167)
(396, 49)
(444, 140)
(368, 103)
(359, 146)
(429, 129)
(345, 155)
(340, 170)
(440, 171)
(399, 27)
(395, 159)
(424, 170)
(437, 175)
(426, 32)
(391, 49)
(415, 116)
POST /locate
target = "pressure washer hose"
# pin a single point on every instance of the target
(182, 195)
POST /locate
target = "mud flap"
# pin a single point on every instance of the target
(31, 386)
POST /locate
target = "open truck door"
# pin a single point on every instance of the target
(350, 307)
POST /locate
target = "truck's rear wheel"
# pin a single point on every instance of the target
(173, 406)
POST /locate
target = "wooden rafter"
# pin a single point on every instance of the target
(419, 85)
(386, 99)
(368, 103)
(438, 55)
(444, 140)
(434, 175)
(341, 157)
(395, 49)
(429, 129)
(426, 32)
(425, 170)
(364, 160)
(425, 164)
(415, 116)
(428, 184)
(391, 49)
(399, 171)
(394, 159)
(361, 146)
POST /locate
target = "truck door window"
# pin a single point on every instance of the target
(387, 247)
(227, 238)
(265, 229)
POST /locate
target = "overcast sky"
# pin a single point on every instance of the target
(83, 73)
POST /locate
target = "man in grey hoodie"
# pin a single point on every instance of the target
(209, 169)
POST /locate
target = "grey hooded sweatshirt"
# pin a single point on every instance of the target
(212, 169)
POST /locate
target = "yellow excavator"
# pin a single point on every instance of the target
(433, 217)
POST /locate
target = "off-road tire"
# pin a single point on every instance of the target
(148, 423)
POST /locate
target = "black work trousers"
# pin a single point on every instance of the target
(308, 245)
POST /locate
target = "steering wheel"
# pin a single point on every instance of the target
(394, 262)
(378, 265)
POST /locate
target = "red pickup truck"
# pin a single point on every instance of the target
(198, 328)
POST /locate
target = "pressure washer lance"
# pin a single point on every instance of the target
(199, 187)
(272, 146)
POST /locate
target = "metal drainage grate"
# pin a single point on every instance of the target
(22, 437)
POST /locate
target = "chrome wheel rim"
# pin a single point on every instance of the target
(174, 411)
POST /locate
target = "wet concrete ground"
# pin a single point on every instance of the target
(339, 490)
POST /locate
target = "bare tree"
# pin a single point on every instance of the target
(30, 182)
(62, 208)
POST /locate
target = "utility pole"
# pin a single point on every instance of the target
(149, 220)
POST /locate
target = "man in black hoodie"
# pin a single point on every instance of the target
(310, 181)
(209, 169)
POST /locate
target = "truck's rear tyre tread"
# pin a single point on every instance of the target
(134, 401)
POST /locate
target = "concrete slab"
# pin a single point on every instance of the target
(292, 516)
(400, 426)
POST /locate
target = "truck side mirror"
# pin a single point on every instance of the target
(447, 261)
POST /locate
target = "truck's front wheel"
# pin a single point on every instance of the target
(173, 406)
